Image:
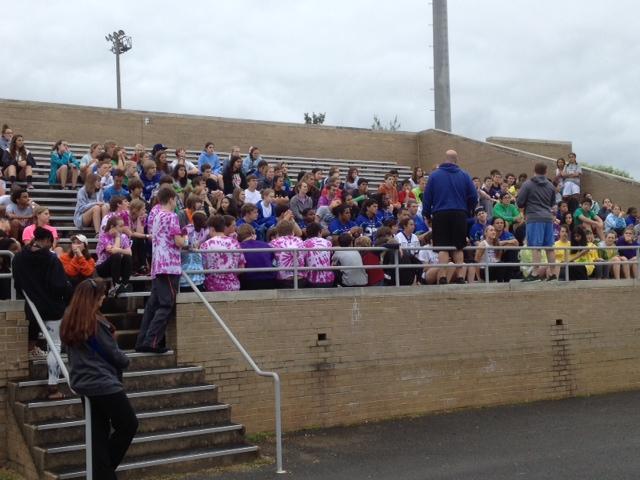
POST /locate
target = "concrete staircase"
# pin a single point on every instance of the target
(182, 427)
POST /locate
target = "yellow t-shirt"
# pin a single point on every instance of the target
(560, 250)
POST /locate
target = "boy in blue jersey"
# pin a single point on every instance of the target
(342, 222)
(368, 219)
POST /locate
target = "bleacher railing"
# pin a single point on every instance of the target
(9, 275)
(65, 374)
(397, 266)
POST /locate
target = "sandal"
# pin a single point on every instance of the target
(54, 394)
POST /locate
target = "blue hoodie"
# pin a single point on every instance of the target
(449, 188)
(212, 160)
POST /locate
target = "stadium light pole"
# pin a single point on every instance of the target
(121, 43)
(441, 84)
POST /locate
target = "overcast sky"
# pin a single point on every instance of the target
(564, 69)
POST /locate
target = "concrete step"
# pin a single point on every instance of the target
(144, 444)
(72, 431)
(29, 390)
(139, 361)
(40, 411)
(188, 461)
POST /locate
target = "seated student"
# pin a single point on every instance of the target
(282, 195)
(104, 172)
(41, 218)
(251, 193)
(209, 157)
(561, 251)
(628, 252)
(415, 214)
(181, 182)
(506, 239)
(385, 208)
(118, 207)
(77, 262)
(632, 216)
(19, 163)
(368, 219)
(406, 238)
(162, 163)
(233, 177)
(231, 259)
(576, 271)
(615, 221)
(249, 214)
(388, 188)
(609, 253)
(192, 204)
(563, 209)
(230, 226)
(210, 181)
(406, 193)
(342, 222)
(19, 211)
(593, 256)
(197, 233)
(476, 234)
(375, 276)
(255, 280)
(507, 211)
(114, 256)
(318, 258)
(227, 206)
(526, 256)
(487, 254)
(285, 238)
(251, 161)
(89, 206)
(181, 159)
(328, 195)
(150, 179)
(136, 189)
(63, 162)
(140, 239)
(349, 277)
(266, 209)
(117, 188)
(418, 190)
(584, 215)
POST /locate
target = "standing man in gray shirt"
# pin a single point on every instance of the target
(537, 197)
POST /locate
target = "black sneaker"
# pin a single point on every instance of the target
(113, 291)
(460, 281)
(442, 281)
(123, 288)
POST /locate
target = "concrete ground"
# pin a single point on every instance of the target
(580, 438)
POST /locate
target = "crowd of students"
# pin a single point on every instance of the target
(240, 202)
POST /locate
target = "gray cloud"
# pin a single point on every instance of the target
(539, 69)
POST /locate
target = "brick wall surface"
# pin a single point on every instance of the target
(77, 124)
(13, 363)
(412, 350)
(546, 148)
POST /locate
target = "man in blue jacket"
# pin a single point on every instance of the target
(449, 198)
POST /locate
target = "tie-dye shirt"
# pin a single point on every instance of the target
(165, 259)
(321, 258)
(285, 259)
(105, 240)
(222, 282)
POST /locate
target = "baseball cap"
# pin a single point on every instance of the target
(478, 210)
(159, 146)
(80, 238)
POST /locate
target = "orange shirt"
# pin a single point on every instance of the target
(77, 266)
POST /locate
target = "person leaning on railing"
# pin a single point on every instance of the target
(247, 237)
(96, 365)
(285, 260)
(231, 259)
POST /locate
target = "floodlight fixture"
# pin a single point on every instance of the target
(121, 43)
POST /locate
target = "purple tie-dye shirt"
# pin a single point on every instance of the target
(321, 258)
(105, 240)
(165, 259)
(222, 282)
(285, 259)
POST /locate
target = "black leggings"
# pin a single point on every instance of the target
(140, 251)
(117, 266)
(107, 412)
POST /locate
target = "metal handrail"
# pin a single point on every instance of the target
(65, 374)
(252, 363)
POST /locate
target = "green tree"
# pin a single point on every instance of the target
(314, 118)
(392, 127)
(609, 169)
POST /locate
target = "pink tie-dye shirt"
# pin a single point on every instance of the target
(321, 258)
(165, 259)
(285, 259)
(152, 215)
(222, 282)
(105, 240)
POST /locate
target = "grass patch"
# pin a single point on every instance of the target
(9, 475)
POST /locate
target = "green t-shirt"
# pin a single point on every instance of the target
(507, 212)
(576, 215)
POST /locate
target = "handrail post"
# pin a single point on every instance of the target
(486, 269)
(397, 266)
(566, 265)
(295, 269)
(88, 452)
(637, 263)
(65, 374)
(254, 366)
